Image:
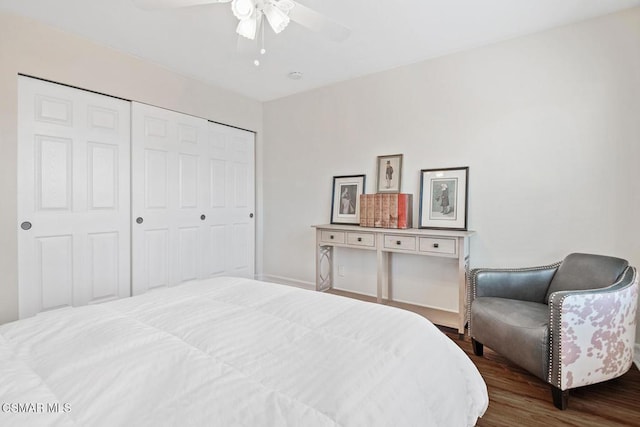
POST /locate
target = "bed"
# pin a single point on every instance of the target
(235, 352)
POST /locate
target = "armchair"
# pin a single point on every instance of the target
(571, 323)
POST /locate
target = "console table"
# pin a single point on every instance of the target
(386, 241)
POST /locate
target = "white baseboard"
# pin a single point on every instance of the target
(287, 281)
(636, 356)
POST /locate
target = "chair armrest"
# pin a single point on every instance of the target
(525, 284)
(592, 332)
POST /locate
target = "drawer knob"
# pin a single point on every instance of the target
(398, 242)
(331, 237)
(436, 245)
(359, 239)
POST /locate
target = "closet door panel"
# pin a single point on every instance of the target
(215, 263)
(168, 193)
(231, 201)
(189, 180)
(189, 242)
(103, 263)
(155, 261)
(54, 282)
(155, 179)
(53, 173)
(103, 171)
(73, 197)
(193, 195)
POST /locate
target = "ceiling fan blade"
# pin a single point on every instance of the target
(168, 4)
(315, 21)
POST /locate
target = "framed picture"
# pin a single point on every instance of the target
(389, 173)
(443, 198)
(345, 203)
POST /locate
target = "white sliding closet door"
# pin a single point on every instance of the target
(73, 197)
(230, 202)
(187, 185)
(167, 203)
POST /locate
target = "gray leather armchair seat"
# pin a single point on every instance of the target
(571, 324)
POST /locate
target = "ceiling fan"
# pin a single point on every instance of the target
(251, 13)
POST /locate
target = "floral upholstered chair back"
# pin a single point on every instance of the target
(592, 331)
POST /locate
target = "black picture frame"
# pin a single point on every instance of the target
(345, 200)
(444, 196)
(389, 174)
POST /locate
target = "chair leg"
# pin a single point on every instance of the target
(560, 397)
(477, 347)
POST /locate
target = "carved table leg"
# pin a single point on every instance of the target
(324, 268)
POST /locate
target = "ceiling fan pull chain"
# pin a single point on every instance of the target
(260, 34)
(262, 49)
(260, 19)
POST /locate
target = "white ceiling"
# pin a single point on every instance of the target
(201, 42)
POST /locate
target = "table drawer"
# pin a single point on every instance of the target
(437, 245)
(361, 239)
(332, 236)
(406, 243)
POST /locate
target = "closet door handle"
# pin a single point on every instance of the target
(139, 220)
(25, 225)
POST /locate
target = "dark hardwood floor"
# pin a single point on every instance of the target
(517, 398)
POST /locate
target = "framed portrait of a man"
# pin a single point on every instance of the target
(443, 198)
(389, 175)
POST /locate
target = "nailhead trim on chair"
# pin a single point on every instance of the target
(550, 347)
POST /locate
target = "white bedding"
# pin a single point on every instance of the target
(235, 352)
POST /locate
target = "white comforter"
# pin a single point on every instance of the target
(235, 352)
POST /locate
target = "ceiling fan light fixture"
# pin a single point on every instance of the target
(247, 28)
(284, 5)
(278, 19)
(243, 9)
